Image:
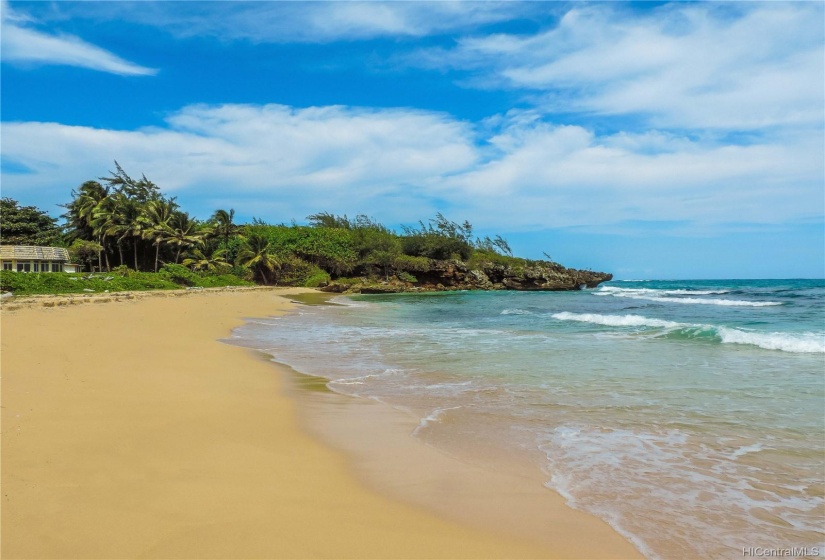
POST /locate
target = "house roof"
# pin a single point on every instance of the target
(32, 253)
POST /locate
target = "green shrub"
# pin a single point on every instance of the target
(206, 280)
(26, 283)
(349, 281)
(179, 274)
(242, 272)
(298, 272)
(407, 277)
(440, 239)
(122, 270)
(318, 279)
(481, 257)
(182, 276)
(412, 264)
(328, 248)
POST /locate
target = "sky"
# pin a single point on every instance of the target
(652, 140)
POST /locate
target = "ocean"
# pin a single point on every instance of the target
(689, 415)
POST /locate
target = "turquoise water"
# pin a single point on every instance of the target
(690, 415)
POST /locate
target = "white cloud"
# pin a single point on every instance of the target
(729, 66)
(515, 173)
(270, 156)
(23, 44)
(567, 176)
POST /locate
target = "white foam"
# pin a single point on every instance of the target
(665, 295)
(745, 449)
(613, 289)
(433, 417)
(449, 385)
(618, 320)
(347, 302)
(804, 343)
(265, 323)
(723, 302)
(359, 380)
(800, 343)
(516, 312)
(615, 473)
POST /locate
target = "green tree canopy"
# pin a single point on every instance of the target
(257, 255)
(142, 190)
(224, 225)
(27, 225)
(85, 252)
(439, 239)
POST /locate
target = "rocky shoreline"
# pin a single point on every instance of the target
(456, 275)
(452, 275)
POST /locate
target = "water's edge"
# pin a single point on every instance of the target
(506, 497)
(616, 400)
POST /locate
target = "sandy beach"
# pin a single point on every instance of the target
(130, 431)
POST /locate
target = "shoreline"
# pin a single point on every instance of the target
(499, 497)
(124, 438)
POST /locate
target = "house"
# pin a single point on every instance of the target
(28, 258)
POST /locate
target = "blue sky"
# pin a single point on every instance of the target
(652, 140)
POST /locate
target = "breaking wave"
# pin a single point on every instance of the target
(806, 342)
(681, 296)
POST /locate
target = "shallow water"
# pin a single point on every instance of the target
(689, 415)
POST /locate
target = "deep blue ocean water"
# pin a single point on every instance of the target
(690, 415)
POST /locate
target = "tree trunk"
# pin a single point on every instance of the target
(177, 257)
(120, 250)
(263, 275)
(157, 255)
(99, 255)
(106, 254)
(136, 263)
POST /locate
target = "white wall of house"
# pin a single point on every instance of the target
(37, 266)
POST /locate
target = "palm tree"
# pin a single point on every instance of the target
(255, 254)
(185, 232)
(142, 190)
(208, 257)
(119, 216)
(131, 223)
(157, 215)
(223, 224)
(104, 222)
(87, 200)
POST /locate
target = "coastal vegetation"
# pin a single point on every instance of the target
(120, 279)
(130, 236)
(27, 225)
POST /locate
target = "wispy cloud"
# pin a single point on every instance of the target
(514, 172)
(22, 43)
(308, 22)
(711, 66)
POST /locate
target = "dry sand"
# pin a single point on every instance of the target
(128, 431)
